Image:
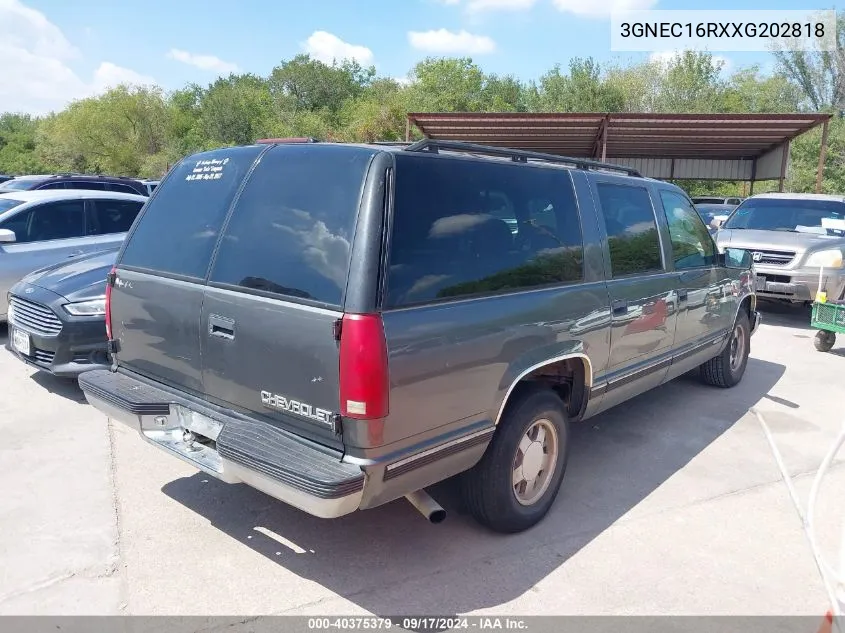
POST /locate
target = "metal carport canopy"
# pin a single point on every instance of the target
(746, 147)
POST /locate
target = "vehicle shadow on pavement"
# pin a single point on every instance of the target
(64, 387)
(389, 561)
(783, 314)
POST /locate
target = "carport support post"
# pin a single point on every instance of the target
(753, 177)
(822, 156)
(784, 158)
(407, 129)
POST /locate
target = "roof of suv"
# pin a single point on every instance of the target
(459, 149)
(801, 196)
(69, 194)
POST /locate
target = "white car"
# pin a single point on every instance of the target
(42, 228)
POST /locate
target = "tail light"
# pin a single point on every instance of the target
(109, 283)
(364, 379)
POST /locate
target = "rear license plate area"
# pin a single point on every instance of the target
(198, 423)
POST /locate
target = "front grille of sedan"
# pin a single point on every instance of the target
(34, 317)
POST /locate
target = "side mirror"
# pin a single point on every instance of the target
(736, 258)
(7, 236)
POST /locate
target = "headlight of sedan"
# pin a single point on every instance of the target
(830, 258)
(93, 307)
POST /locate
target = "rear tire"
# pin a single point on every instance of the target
(824, 341)
(726, 369)
(531, 444)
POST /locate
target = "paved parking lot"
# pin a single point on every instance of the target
(673, 504)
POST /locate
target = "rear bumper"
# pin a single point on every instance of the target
(235, 450)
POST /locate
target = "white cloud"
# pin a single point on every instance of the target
(109, 75)
(35, 57)
(602, 8)
(328, 48)
(477, 6)
(450, 42)
(203, 62)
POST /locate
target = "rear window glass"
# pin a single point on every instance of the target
(6, 204)
(179, 227)
(292, 229)
(19, 184)
(467, 228)
(113, 186)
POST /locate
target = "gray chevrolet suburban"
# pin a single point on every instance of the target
(342, 325)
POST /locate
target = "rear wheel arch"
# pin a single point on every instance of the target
(571, 375)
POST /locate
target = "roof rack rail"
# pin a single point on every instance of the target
(517, 155)
(292, 139)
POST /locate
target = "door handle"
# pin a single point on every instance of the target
(619, 306)
(76, 254)
(682, 295)
(221, 327)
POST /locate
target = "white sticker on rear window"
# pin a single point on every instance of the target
(211, 169)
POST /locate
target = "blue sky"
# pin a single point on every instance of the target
(59, 50)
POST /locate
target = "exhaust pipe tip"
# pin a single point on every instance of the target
(438, 516)
(427, 506)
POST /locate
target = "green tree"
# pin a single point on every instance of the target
(447, 85)
(308, 84)
(819, 74)
(235, 110)
(18, 135)
(749, 91)
(115, 133)
(582, 89)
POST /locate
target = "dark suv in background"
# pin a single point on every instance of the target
(343, 325)
(75, 181)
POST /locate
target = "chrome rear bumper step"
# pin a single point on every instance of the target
(233, 450)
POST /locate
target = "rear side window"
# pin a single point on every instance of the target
(179, 228)
(115, 186)
(291, 232)
(52, 185)
(89, 185)
(50, 221)
(467, 228)
(631, 229)
(111, 216)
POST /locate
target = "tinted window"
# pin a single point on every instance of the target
(691, 243)
(53, 221)
(52, 185)
(463, 228)
(631, 229)
(292, 229)
(112, 216)
(115, 186)
(85, 184)
(179, 228)
(19, 184)
(7, 203)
